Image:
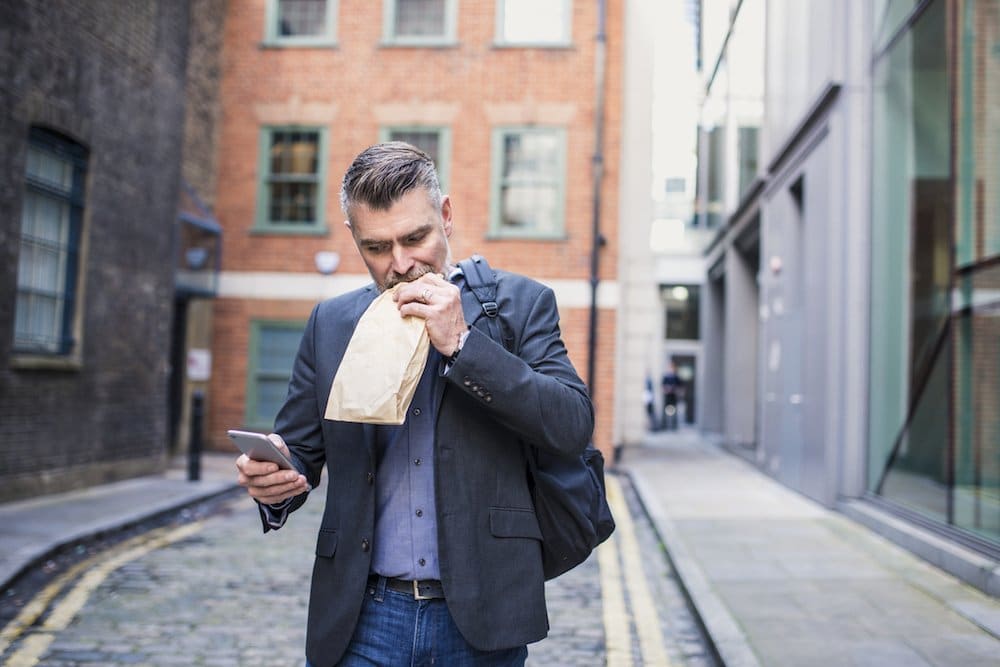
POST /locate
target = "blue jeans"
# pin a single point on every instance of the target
(394, 630)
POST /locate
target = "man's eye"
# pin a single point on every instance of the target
(416, 238)
(375, 249)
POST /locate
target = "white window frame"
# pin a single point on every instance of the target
(565, 39)
(273, 38)
(447, 38)
(263, 223)
(497, 230)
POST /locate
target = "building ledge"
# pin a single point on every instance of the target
(972, 567)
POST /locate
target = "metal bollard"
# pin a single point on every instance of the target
(194, 444)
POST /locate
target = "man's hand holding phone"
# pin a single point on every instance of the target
(267, 481)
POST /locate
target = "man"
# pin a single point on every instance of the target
(672, 386)
(429, 549)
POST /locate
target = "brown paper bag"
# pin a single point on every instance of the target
(381, 367)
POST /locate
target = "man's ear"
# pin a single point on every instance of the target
(446, 214)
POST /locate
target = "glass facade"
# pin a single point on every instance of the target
(934, 444)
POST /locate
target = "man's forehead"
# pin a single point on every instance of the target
(394, 232)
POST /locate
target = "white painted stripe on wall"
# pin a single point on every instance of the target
(315, 287)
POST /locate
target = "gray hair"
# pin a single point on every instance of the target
(381, 174)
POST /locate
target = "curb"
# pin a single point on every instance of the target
(722, 632)
(33, 558)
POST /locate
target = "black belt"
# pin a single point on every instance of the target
(426, 589)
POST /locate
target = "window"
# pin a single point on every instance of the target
(301, 22)
(420, 21)
(291, 192)
(529, 182)
(51, 218)
(435, 141)
(534, 22)
(273, 346)
(681, 308)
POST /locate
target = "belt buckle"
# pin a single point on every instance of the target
(416, 592)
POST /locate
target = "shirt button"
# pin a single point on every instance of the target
(417, 462)
(365, 545)
(416, 412)
(370, 477)
(420, 512)
(422, 561)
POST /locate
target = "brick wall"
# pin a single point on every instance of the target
(110, 75)
(357, 87)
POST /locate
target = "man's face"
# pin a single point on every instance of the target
(405, 242)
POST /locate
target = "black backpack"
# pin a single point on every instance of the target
(570, 500)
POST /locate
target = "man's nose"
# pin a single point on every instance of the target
(401, 260)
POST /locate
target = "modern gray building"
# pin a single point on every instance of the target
(849, 169)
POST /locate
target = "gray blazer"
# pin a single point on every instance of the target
(491, 400)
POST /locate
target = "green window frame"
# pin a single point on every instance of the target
(48, 258)
(534, 23)
(402, 26)
(273, 346)
(435, 140)
(528, 183)
(291, 188)
(300, 23)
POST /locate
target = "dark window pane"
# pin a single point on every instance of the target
(294, 163)
(682, 304)
(50, 217)
(301, 18)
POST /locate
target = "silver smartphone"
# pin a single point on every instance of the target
(260, 448)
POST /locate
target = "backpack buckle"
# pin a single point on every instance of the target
(491, 308)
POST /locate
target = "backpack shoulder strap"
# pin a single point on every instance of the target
(482, 281)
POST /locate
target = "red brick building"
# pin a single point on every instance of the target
(505, 94)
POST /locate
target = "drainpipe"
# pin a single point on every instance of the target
(597, 174)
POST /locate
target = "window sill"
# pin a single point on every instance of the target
(290, 231)
(300, 44)
(551, 46)
(37, 362)
(525, 236)
(390, 43)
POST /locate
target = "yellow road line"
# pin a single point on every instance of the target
(35, 645)
(617, 638)
(647, 621)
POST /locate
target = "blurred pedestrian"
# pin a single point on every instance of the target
(671, 386)
(428, 551)
(649, 400)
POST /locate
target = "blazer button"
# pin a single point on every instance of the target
(467, 381)
(370, 477)
(365, 546)
(489, 397)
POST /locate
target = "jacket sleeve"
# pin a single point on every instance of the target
(535, 391)
(299, 424)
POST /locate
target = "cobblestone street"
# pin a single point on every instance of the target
(218, 593)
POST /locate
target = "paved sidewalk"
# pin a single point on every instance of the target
(780, 580)
(32, 530)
